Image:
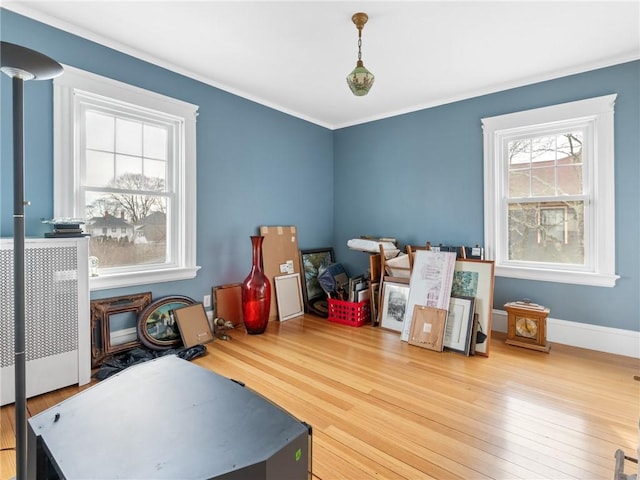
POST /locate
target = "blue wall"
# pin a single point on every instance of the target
(418, 177)
(256, 166)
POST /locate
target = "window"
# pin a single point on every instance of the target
(549, 193)
(125, 163)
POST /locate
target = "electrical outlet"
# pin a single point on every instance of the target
(206, 301)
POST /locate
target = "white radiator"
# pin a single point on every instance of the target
(58, 343)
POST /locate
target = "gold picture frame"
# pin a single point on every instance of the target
(114, 325)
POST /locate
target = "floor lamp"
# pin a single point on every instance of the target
(21, 64)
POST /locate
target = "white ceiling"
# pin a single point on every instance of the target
(294, 55)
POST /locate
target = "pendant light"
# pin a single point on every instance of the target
(360, 80)
(21, 64)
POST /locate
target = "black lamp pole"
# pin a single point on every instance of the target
(21, 64)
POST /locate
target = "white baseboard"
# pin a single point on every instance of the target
(583, 335)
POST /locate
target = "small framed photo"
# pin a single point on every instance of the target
(459, 328)
(393, 305)
(428, 327)
(193, 325)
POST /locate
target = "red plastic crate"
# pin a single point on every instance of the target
(354, 314)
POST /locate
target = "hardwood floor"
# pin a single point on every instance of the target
(383, 409)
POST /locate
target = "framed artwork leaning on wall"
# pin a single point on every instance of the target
(394, 298)
(474, 278)
(315, 299)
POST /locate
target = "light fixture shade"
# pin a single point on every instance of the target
(27, 64)
(360, 80)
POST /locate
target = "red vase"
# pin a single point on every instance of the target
(256, 292)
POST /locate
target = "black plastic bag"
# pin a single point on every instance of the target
(117, 363)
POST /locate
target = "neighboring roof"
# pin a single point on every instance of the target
(108, 221)
(155, 218)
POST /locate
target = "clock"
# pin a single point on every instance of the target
(527, 325)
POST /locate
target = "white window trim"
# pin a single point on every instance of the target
(66, 173)
(599, 111)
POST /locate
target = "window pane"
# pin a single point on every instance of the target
(127, 165)
(551, 232)
(126, 230)
(137, 181)
(570, 180)
(543, 149)
(519, 183)
(155, 169)
(99, 131)
(128, 137)
(570, 146)
(99, 168)
(155, 142)
(543, 181)
(519, 153)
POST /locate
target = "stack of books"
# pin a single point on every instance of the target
(65, 230)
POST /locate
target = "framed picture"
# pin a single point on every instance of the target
(289, 296)
(193, 325)
(428, 327)
(315, 300)
(431, 280)
(157, 327)
(114, 323)
(474, 278)
(227, 301)
(394, 303)
(457, 336)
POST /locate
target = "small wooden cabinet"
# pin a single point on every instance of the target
(527, 325)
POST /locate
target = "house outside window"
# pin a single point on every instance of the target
(124, 159)
(549, 193)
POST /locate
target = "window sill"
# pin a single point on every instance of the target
(104, 282)
(558, 276)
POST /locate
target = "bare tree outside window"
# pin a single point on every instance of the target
(134, 214)
(546, 215)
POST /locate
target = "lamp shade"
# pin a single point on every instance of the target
(360, 80)
(27, 64)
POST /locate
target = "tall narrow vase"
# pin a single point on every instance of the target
(256, 292)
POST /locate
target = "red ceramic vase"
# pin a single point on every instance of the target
(256, 292)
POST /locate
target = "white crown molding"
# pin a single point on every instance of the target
(23, 8)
